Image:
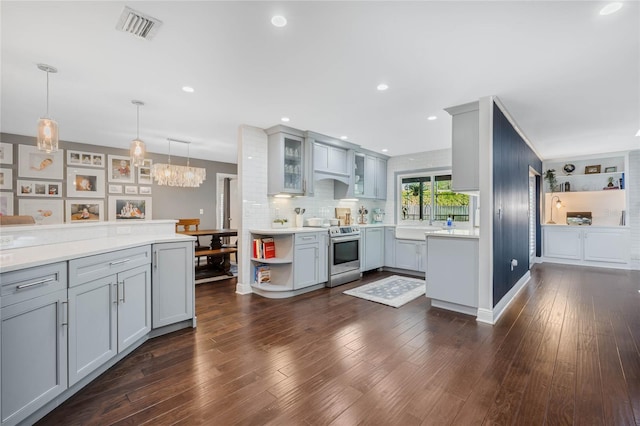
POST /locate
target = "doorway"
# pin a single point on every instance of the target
(228, 211)
(533, 216)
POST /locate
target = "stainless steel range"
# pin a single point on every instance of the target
(344, 255)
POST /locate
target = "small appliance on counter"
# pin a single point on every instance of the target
(578, 218)
(377, 215)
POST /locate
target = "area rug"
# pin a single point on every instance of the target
(393, 291)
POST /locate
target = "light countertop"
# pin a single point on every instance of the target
(286, 231)
(26, 257)
(455, 233)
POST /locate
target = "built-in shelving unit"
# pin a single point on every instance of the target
(588, 188)
(280, 266)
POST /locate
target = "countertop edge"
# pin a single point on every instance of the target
(28, 257)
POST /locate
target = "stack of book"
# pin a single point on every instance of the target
(264, 248)
(262, 274)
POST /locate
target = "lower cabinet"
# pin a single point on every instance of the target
(390, 247)
(172, 283)
(411, 255)
(109, 307)
(587, 244)
(309, 259)
(106, 316)
(372, 248)
(34, 340)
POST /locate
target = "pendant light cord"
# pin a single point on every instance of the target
(47, 93)
(188, 153)
(169, 151)
(138, 122)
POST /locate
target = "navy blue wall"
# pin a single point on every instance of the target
(511, 160)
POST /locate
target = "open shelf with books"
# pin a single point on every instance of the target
(271, 261)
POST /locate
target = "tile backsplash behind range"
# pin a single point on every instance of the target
(321, 204)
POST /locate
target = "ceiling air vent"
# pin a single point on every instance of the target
(138, 24)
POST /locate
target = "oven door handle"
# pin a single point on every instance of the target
(345, 238)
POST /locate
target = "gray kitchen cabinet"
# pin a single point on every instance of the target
(411, 255)
(287, 168)
(34, 340)
(390, 247)
(93, 326)
(370, 177)
(134, 305)
(465, 119)
(110, 306)
(172, 283)
(330, 159)
(309, 259)
(373, 248)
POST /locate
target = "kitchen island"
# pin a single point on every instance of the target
(452, 269)
(78, 298)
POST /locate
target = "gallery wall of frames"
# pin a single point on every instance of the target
(87, 183)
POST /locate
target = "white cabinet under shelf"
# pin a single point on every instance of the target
(585, 245)
(300, 263)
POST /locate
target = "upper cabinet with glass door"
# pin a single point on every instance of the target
(287, 161)
(370, 177)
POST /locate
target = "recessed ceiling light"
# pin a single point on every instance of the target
(249, 158)
(344, 138)
(279, 21)
(188, 89)
(432, 117)
(611, 8)
(285, 119)
(382, 87)
(638, 134)
(385, 150)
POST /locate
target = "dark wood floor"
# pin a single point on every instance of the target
(566, 352)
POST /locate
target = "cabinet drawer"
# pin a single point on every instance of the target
(307, 238)
(25, 284)
(91, 268)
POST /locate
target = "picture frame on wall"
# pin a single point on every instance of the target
(85, 159)
(611, 169)
(6, 178)
(115, 189)
(78, 211)
(6, 153)
(45, 212)
(130, 208)
(130, 189)
(33, 163)
(85, 183)
(120, 169)
(144, 173)
(6, 203)
(38, 188)
(145, 190)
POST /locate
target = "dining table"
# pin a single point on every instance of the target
(218, 255)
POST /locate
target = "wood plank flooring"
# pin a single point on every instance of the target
(566, 352)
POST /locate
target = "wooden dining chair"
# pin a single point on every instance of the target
(187, 225)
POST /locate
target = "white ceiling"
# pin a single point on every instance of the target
(569, 77)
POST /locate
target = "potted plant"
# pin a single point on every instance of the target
(550, 177)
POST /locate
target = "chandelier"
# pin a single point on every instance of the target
(173, 175)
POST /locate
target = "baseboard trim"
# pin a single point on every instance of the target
(467, 310)
(491, 316)
(243, 288)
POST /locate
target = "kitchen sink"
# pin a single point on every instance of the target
(414, 232)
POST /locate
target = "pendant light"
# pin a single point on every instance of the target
(137, 149)
(47, 127)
